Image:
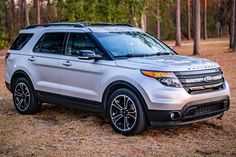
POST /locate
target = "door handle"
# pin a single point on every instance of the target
(67, 63)
(32, 59)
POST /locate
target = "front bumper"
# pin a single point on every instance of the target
(161, 101)
(160, 97)
(192, 112)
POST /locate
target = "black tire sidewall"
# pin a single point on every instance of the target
(34, 106)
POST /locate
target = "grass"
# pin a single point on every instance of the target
(57, 131)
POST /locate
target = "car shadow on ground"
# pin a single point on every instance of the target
(56, 115)
(51, 112)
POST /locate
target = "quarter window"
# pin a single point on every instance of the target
(50, 43)
(20, 41)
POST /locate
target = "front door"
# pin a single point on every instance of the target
(79, 78)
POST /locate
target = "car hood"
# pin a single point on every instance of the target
(167, 63)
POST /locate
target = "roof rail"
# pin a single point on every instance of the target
(76, 24)
(108, 24)
(126, 24)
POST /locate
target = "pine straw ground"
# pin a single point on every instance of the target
(57, 131)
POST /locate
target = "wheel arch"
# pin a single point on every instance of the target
(118, 85)
(18, 74)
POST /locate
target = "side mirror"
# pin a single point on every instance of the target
(88, 55)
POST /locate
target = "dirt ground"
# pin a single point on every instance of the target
(57, 131)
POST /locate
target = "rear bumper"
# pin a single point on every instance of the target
(192, 112)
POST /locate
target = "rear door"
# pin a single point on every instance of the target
(80, 78)
(45, 61)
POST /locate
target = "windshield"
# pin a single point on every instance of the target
(132, 44)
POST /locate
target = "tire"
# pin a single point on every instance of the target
(24, 99)
(126, 113)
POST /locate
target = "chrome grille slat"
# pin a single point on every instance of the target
(202, 83)
(205, 87)
(197, 75)
(201, 80)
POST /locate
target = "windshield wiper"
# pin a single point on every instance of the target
(163, 53)
(142, 55)
(131, 55)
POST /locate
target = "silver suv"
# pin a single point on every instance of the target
(119, 70)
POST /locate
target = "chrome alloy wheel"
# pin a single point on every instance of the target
(123, 113)
(22, 96)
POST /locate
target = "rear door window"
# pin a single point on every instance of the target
(51, 43)
(20, 41)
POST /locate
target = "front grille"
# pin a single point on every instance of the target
(199, 111)
(201, 81)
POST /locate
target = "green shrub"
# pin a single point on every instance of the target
(4, 41)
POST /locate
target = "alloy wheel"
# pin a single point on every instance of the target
(22, 96)
(123, 113)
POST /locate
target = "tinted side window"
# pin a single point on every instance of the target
(38, 45)
(21, 40)
(77, 42)
(50, 43)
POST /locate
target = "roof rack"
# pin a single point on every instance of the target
(108, 24)
(128, 25)
(76, 24)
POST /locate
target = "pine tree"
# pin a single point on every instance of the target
(38, 14)
(232, 24)
(178, 24)
(158, 31)
(205, 19)
(189, 19)
(234, 46)
(197, 27)
(26, 13)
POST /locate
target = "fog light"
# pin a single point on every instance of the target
(175, 115)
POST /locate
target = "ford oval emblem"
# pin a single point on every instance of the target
(208, 79)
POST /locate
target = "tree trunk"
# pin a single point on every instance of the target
(205, 19)
(60, 10)
(133, 15)
(13, 17)
(192, 20)
(21, 14)
(38, 11)
(6, 16)
(178, 24)
(7, 26)
(234, 47)
(158, 31)
(189, 20)
(49, 13)
(218, 24)
(144, 17)
(27, 23)
(144, 21)
(197, 27)
(232, 24)
(135, 21)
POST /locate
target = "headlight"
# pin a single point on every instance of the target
(166, 78)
